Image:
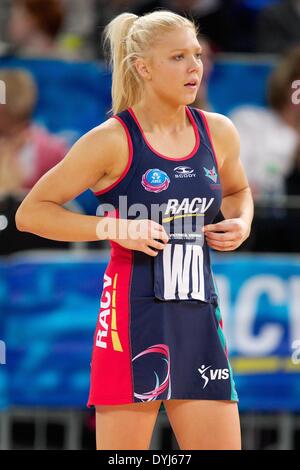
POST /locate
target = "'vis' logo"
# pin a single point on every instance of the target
(214, 374)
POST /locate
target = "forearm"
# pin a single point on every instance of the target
(52, 221)
(239, 205)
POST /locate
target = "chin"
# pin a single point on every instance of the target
(190, 101)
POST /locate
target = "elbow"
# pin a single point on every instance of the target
(20, 219)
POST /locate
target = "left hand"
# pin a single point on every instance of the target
(235, 232)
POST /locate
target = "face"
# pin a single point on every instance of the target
(172, 63)
(20, 25)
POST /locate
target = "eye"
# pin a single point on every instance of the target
(198, 55)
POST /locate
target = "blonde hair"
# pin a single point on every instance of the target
(21, 93)
(129, 37)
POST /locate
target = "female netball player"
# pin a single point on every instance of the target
(158, 335)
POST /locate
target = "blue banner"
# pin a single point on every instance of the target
(49, 305)
(260, 305)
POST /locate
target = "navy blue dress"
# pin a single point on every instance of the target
(159, 332)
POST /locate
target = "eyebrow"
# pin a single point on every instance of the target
(186, 49)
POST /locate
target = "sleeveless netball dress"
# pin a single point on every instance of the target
(159, 331)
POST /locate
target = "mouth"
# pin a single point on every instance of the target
(193, 84)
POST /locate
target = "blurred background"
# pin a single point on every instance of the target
(54, 87)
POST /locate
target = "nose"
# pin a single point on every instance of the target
(196, 64)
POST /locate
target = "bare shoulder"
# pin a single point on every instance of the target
(104, 138)
(99, 152)
(88, 161)
(219, 124)
(111, 141)
(224, 135)
(104, 151)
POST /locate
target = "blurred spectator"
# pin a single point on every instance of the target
(270, 141)
(4, 14)
(10, 172)
(70, 39)
(279, 27)
(77, 32)
(79, 16)
(29, 147)
(269, 137)
(26, 153)
(34, 31)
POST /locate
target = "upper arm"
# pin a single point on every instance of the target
(84, 164)
(226, 142)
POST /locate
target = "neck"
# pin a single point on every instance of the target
(160, 116)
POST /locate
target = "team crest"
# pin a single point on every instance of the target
(155, 180)
(211, 174)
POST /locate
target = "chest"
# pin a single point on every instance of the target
(176, 145)
(175, 188)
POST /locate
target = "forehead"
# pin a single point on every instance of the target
(179, 38)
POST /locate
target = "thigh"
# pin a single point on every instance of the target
(128, 427)
(205, 424)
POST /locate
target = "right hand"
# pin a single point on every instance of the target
(140, 235)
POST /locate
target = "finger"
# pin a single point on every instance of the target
(221, 244)
(228, 236)
(161, 235)
(155, 225)
(164, 236)
(224, 226)
(149, 251)
(231, 248)
(136, 229)
(156, 244)
(159, 232)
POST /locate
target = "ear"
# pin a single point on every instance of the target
(143, 68)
